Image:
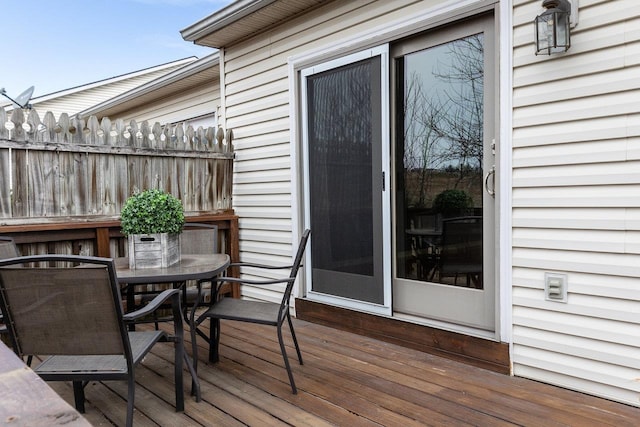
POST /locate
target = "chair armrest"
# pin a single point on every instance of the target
(251, 282)
(219, 281)
(256, 265)
(154, 304)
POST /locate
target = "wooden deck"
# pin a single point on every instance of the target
(347, 380)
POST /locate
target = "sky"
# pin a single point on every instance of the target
(60, 44)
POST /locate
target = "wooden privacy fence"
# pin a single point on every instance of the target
(77, 168)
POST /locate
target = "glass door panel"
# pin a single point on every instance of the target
(441, 147)
(444, 217)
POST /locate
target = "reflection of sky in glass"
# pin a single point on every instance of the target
(425, 64)
(443, 105)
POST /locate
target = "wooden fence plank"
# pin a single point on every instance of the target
(4, 132)
(20, 191)
(5, 176)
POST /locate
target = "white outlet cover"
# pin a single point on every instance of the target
(553, 281)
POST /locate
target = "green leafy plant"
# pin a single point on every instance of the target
(452, 201)
(152, 211)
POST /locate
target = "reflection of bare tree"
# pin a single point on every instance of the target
(462, 123)
(420, 136)
(443, 129)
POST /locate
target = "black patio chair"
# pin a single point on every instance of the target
(72, 314)
(8, 249)
(197, 239)
(266, 313)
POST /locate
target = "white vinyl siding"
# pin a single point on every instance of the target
(201, 101)
(576, 201)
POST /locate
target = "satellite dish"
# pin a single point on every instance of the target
(21, 100)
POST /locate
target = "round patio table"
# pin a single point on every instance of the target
(190, 267)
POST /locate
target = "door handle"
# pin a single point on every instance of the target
(491, 174)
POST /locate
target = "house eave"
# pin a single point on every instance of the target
(228, 15)
(156, 89)
(243, 19)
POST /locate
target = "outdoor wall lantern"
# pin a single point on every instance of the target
(552, 27)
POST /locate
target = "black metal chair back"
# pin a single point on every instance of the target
(8, 249)
(199, 238)
(297, 263)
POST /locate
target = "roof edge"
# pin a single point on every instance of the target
(113, 79)
(223, 17)
(176, 75)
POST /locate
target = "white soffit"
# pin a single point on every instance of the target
(244, 18)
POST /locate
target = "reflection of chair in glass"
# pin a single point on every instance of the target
(461, 252)
(423, 239)
(265, 313)
(424, 247)
(74, 315)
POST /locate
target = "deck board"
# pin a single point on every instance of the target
(346, 379)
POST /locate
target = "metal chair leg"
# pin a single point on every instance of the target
(214, 340)
(295, 340)
(286, 360)
(78, 396)
(130, 398)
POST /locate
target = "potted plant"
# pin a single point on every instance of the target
(152, 220)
